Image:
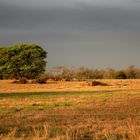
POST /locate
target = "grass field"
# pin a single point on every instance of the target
(70, 111)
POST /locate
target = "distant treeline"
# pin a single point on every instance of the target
(83, 73)
(29, 61)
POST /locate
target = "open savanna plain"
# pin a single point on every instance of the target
(70, 111)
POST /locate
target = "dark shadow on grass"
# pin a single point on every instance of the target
(57, 93)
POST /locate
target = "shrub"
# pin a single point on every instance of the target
(120, 75)
(21, 81)
(40, 80)
(97, 83)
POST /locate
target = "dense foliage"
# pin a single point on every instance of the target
(24, 60)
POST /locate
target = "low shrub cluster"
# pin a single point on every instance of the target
(42, 79)
(97, 83)
(39, 80)
(20, 81)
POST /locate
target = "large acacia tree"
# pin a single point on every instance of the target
(24, 60)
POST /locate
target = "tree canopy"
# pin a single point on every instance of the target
(23, 60)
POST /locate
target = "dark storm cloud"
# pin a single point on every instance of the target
(83, 18)
(87, 29)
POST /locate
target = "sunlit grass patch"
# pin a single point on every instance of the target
(100, 113)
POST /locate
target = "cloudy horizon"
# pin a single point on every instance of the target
(89, 33)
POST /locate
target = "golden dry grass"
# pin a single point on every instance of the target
(70, 111)
(7, 86)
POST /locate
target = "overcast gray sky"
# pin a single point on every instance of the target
(92, 33)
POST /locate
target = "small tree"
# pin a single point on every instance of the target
(120, 75)
(25, 60)
(131, 72)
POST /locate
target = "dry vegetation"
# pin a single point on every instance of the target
(6, 86)
(70, 111)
